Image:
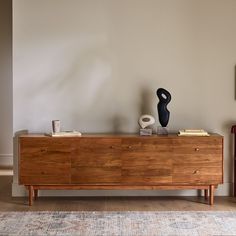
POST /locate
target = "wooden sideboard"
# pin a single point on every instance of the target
(120, 162)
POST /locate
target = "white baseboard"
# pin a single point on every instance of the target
(6, 159)
(20, 191)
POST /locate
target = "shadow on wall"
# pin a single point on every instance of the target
(227, 126)
(15, 152)
(146, 96)
(117, 122)
(146, 104)
(146, 101)
(235, 82)
(84, 77)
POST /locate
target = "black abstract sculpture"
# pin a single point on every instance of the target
(163, 113)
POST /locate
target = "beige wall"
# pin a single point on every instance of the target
(96, 65)
(6, 82)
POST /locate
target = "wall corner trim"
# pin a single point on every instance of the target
(6, 159)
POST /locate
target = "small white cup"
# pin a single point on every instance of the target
(56, 126)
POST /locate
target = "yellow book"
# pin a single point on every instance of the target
(199, 132)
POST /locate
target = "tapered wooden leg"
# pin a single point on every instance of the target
(206, 193)
(211, 199)
(35, 194)
(31, 192)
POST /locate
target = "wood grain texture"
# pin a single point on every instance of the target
(211, 198)
(197, 160)
(83, 175)
(31, 192)
(121, 162)
(45, 179)
(101, 152)
(96, 160)
(189, 174)
(146, 161)
(118, 187)
(44, 160)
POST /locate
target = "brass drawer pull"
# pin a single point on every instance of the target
(129, 147)
(196, 172)
(197, 149)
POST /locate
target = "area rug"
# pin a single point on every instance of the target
(136, 223)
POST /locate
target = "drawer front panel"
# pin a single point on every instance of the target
(146, 144)
(45, 160)
(44, 179)
(146, 175)
(95, 175)
(99, 145)
(193, 159)
(97, 160)
(146, 161)
(197, 145)
(142, 180)
(43, 168)
(197, 174)
(94, 152)
(205, 151)
(197, 160)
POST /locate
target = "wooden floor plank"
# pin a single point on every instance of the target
(7, 203)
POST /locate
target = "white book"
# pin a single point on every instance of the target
(65, 134)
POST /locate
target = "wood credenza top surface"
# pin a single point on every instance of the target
(101, 135)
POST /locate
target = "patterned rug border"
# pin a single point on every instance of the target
(66, 211)
(117, 223)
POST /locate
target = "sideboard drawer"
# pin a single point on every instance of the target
(146, 144)
(44, 161)
(204, 151)
(145, 161)
(197, 160)
(197, 150)
(99, 145)
(197, 174)
(96, 160)
(97, 152)
(95, 175)
(146, 175)
(197, 145)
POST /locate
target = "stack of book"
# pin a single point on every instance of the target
(193, 132)
(65, 134)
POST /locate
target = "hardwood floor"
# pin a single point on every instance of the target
(7, 203)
